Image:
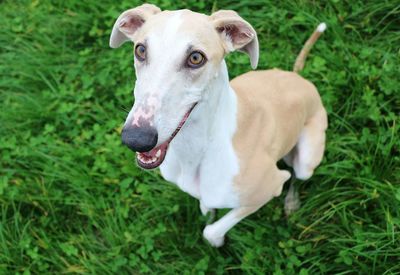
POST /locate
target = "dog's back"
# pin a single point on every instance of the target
(281, 101)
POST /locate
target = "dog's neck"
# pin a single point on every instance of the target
(221, 101)
(216, 112)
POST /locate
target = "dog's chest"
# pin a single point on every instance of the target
(201, 159)
(204, 168)
(209, 179)
(216, 177)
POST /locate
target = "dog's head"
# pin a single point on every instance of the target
(177, 54)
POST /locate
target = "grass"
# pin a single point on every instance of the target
(73, 201)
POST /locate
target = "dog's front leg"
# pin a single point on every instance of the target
(215, 233)
(205, 210)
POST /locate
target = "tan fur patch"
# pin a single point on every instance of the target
(273, 107)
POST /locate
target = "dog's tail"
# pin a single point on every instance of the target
(301, 58)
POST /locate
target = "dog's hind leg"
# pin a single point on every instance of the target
(310, 147)
(305, 156)
(292, 200)
(288, 159)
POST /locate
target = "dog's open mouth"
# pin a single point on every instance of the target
(153, 158)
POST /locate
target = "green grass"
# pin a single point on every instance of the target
(73, 201)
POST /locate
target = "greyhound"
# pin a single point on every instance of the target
(219, 141)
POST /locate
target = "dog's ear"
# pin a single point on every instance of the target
(129, 22)
(236, 34)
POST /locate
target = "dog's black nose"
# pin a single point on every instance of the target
(139, 139)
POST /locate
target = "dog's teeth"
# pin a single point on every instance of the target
(147, 160)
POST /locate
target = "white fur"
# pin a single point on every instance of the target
(172, 27)
(321, 27)
(228, 42)
(203, 148)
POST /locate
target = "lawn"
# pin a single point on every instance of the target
(73, 201)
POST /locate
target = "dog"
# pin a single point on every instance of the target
(217, 140)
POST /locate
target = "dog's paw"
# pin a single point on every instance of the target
(210, 234)
(292, 203)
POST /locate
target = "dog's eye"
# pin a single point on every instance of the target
(140, 52)
(196, 60)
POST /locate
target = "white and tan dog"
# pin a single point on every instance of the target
(231, 134)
